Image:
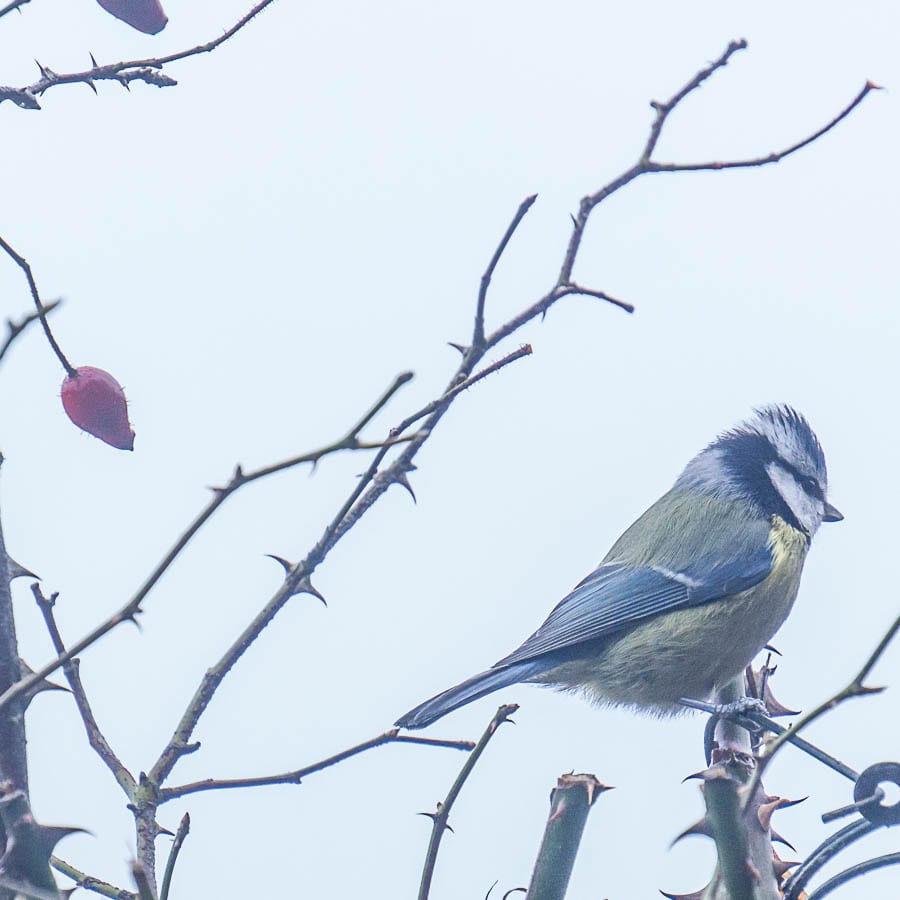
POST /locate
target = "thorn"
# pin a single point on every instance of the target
(287, 566)
(461, 347)
(43, 685)
(874, 87)
(93, 61)
(17, 570)
(759, 683)
(772, 649)
(45, 72)
(124, 83)
(50, 835)
(160, 830)
(305, 587)
(695, 776)
(403, 481)
(775, 836)
(694, 895)
(183, 749)
(785, 803)
(90, 83)
(574, 220)
(865, 689)
(765, 810)
(700, 827)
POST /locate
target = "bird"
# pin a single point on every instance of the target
(691, 591)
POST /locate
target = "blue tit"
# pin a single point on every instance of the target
(692, 591)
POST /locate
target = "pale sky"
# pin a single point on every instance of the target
(257, 252)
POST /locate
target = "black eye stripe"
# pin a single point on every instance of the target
(809, 484)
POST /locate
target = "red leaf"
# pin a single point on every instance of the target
(96, 403)
(144, 15)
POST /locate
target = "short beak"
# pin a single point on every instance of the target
(832, 513)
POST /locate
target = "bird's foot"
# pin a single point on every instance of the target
(742, 712)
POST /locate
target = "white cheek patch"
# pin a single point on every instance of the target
(808, 510)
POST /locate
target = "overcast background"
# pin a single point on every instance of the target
(257, 252)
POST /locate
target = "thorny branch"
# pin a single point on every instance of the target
(442, 814)
(146, 70)
(392, 736)
(71, 669)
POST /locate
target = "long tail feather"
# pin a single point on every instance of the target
(469, 690)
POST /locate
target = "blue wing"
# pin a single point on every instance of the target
(615, 595)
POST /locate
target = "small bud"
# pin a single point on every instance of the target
(96, 403)
(144, 15)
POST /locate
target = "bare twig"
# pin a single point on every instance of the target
(295, 777)
(440, 816)
(856, 688)
(15, 329)
(146, 70)
(89, 883)
(663, 109)
(71, 669)
(478, 331)
(772, 157)
(428, 409)
(350, 441)
(524, 350)
(41, 308)
(133, 607)
(184, 826)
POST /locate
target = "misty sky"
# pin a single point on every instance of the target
(257, 252)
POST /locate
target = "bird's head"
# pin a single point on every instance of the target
(774, 461)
